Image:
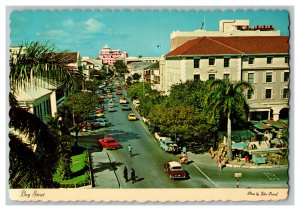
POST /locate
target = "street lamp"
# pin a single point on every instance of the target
(237, 176)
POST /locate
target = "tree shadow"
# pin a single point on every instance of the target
(123, 136)
(102, 166)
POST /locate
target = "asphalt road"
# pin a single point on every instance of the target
(148, 159)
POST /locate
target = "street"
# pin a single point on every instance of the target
(148, 159)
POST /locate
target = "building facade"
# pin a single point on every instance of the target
(109, 57)
(261, 60)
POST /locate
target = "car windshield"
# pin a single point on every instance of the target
(110, 141)
(176, 168)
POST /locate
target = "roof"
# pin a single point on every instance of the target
(233, 45)
(31, 93)
(174, 164)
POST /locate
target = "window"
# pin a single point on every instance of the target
(251, 60)
(285, 93)
(286, 76)
(269, 59)
(226, 76)
(286, 59)
(196, 63)
(249, 94)
(211, 76)
(250, 77)
(269, 77)
(197, 77)
(268, 93)
(211, 61)
(226, 62)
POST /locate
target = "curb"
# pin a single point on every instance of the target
(256, 166)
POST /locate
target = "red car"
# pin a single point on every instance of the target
(174, 170)
(109, 143)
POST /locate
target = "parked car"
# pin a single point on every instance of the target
(109, 96)
(118, 92)
(169, 146)
(109, 143)
(132, 117)
(125, 107)
(174, 170)
(136, 103)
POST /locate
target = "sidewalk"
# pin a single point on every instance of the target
(205, 159)
(103, 173)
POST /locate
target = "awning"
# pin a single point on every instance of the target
(240, 146)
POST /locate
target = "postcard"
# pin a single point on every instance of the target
(148, 105)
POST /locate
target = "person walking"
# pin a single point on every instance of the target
(133, 176)
(130, 150)
(125, 172)
(219, 161)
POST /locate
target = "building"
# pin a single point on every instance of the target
(226, 28)
(89, 64)
(41, 96)
(141, 59)
(109, 57)
(151, 75)
(261, 60)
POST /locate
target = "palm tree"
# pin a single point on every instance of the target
(227, 98)
(33, 162)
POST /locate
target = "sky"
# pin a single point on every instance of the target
(145, 33)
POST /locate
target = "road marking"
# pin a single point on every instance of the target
(206, 176)
(271, 176)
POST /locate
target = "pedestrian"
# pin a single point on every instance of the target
(133, 176)
(125, 172)
(130, 150)
(219, 161)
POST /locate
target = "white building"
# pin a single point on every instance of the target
(261, 60)
(226, 28)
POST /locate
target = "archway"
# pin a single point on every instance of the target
(284, 113)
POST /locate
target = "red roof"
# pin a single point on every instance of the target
(233, 45)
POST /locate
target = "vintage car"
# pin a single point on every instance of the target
(111, 108)
(169, 146)
(103, 122)
(123, 100)
(109, 143)
(125, 107)
(174, 170)
(132, 117)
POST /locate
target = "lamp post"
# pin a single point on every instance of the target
(237, 176)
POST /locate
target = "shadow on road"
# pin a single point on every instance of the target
(140, 179)
(99, 167)
(122, 136)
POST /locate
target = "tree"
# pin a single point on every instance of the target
(227, 98)
(58, 126)
(136, 76)
(82, 105)
(129, 80)
(33, 159)
(120, 67)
